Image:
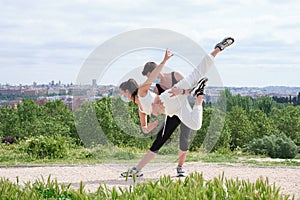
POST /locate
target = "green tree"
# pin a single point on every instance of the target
(261, 124)
(9, 122)
(265, 104)
(244, 102)
(117, 123)
(287, 121)
(27, 112)
(240, 127)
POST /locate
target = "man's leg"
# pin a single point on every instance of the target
(183, 148)
(204, 66)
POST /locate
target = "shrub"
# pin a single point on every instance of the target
(274, 146)
(40, 147)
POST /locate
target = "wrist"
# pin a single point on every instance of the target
(145, 129)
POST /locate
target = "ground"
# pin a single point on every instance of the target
(288, 178)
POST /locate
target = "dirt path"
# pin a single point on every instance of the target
(288, 178)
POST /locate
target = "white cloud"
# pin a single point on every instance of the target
(46, 35)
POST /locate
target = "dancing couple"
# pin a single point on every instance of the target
(170, 98)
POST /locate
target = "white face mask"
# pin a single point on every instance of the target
(125, 99)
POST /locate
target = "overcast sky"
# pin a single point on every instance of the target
(43, 41)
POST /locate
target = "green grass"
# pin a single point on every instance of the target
(192, 187)
(11, 155)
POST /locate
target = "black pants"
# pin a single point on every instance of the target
(170, 125)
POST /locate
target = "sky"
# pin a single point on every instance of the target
(44, 40)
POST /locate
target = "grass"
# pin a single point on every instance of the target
(11, 155)
(192, 187)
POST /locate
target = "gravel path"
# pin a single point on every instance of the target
(288, 178)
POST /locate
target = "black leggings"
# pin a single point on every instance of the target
(170, 125)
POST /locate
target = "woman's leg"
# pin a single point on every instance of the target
(146, 159)
(163, 135)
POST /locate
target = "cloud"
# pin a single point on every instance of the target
(47, 35)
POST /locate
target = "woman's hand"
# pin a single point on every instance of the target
(150, 126)
(168, 55)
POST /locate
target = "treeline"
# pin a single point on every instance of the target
(250, 124)
(290, 100)
(258, 125)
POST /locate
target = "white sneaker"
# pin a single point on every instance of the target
(199, 88)
(225, 43)
(133, 171)
(180, 172)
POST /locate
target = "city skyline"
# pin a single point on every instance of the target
(45, 41)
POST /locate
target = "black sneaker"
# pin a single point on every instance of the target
(133, 171)
(180, 172)
(199, 88)
(225, 43)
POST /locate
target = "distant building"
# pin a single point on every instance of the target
(94, 83)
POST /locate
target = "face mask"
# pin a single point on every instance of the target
(157, 80)
(125, 99)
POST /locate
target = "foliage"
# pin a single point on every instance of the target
(41, 147)
(192, 187)
(287, 121)
(274, 146)
(120, 123)
(110, 121)
(261, 124)
(212, 134)
(239, 126)
(30, 119)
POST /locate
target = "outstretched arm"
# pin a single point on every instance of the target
(177, 91)
(154, 74)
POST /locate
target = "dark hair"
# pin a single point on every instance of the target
(148, 67)
(130, 85)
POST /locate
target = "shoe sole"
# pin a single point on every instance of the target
(202, 81)
(181, 175)
(129, 175)
(225, 43)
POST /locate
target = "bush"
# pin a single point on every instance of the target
(274, 146)
(40, 147)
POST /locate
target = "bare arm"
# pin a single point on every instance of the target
(177, 91)
(146, 127)
(154, 74)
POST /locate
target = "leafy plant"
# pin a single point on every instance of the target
(192, 187)
(41, 147)
(274, 146)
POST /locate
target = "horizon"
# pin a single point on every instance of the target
(68, 83)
